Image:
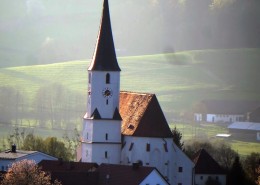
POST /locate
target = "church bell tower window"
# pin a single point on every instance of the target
(107, 78)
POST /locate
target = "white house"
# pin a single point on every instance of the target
(206, 168)
(215, 111)
(7, 158)
(126, 127)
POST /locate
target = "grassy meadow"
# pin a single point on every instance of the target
(179, 80)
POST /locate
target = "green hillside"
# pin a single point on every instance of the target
(178, 79)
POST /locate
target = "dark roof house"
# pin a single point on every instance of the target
(78, 173)
(205, 164)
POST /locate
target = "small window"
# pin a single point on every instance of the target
(105, 154)
(165, 147)
(131, 146)
(217, 178)
(89, 78)
(107, 78)
(201, 177)
(107, 101)
(148, 147)
(180, 169)
(179, 183)
(106, 136)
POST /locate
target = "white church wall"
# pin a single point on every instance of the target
(98, 131)
(101, 153)
(161, 153)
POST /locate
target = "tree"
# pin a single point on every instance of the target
(251, 163)
(177, 136)
(258, 176)
(219, 150)
(237, 173)
(57, 148)
(50, 145)
(26, 172)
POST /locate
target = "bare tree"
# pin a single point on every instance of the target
(26, 172)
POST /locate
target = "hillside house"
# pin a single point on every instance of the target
(206, 168)
(246, 131)
(122, 127)
(218, 111)
(8, 157)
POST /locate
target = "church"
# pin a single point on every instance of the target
(126, 128)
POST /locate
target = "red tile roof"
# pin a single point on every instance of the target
(205, 164)
(142, 116)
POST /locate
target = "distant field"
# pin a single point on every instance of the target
(178, 79)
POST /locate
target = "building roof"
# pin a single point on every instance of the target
(104, 58)
(205, 164)
(8, 154)
(229, 107)
(142, 116)
(90, 173)
(69, 173)
(122, 174)
(63, 166)
(245, 126)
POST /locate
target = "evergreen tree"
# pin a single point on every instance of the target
(177, 136)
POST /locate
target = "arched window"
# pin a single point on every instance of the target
(107, 78)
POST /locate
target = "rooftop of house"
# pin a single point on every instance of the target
(123, 174)
(90, 173)
(205, 164)
(142, 116)
(15, 154)
(245, 126)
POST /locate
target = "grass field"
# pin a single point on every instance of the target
(178, 79)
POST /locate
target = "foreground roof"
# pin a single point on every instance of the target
(80, 173)
(122, 174)
(8, 154)
(142, 116)
(205, 164)
(104, 58)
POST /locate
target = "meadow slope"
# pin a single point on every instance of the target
(178, 79)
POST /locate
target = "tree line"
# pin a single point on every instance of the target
(239, 170)
(52, 106)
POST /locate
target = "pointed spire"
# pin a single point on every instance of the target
(104, 58)
(95, 114)
(117, 115)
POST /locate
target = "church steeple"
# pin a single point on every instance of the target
(104, 58)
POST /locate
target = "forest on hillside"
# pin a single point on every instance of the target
(44, 31)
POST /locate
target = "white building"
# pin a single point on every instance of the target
(206, 168)
(7, 158)
(126, 127)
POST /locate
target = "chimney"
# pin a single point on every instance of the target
(13, 148)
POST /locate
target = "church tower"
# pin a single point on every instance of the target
(101, 137)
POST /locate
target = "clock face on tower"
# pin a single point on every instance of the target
(107, 92)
